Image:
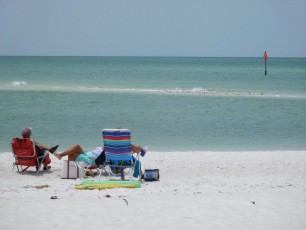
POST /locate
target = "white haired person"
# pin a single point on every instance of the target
(40, 148)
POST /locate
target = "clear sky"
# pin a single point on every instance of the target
(206, 28)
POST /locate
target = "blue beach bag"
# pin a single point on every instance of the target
(151, 175)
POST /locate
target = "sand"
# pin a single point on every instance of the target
(197, 190)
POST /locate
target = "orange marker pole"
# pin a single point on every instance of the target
(265, 57)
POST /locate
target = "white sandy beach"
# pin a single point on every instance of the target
(197, 190)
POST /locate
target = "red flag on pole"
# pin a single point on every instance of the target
(265, 56)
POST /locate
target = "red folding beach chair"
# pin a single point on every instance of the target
(24, 151)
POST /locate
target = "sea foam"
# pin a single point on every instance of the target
(18, 83)
(22, 85)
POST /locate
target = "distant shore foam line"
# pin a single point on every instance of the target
(23, 86)
(18, 83)
(206, 92)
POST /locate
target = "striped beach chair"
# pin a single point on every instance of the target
(118, 151)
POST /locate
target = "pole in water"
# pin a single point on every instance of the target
(265, 57)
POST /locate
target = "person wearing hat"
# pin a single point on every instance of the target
(40, 148)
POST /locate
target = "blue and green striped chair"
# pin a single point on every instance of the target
(118, 151)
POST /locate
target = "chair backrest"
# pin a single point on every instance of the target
(117, 144)
(24, 151)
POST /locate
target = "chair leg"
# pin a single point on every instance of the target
(139, 164)
(100, 174)
(15, 165)
(101, 169)
(38, 168)
(23, 170)
(40, 162)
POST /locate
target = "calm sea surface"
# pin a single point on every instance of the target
(169, 104)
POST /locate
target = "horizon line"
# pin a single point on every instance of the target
(147, 56)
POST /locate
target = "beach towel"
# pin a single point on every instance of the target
(92, 184)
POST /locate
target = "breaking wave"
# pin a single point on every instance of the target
(22, 85)
(213, 92)
(18, 83)
(210, 92)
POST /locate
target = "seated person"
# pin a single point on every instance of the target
(94, 157)
(40, 148)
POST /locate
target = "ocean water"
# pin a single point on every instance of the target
(169, 104)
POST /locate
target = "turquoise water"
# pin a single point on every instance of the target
(170, 104)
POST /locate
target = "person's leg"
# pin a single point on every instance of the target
(51, 150)
(72, 152)
(39, 152)
(46, 160)
(41, 146)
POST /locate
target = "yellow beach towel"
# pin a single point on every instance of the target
(91, 184)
